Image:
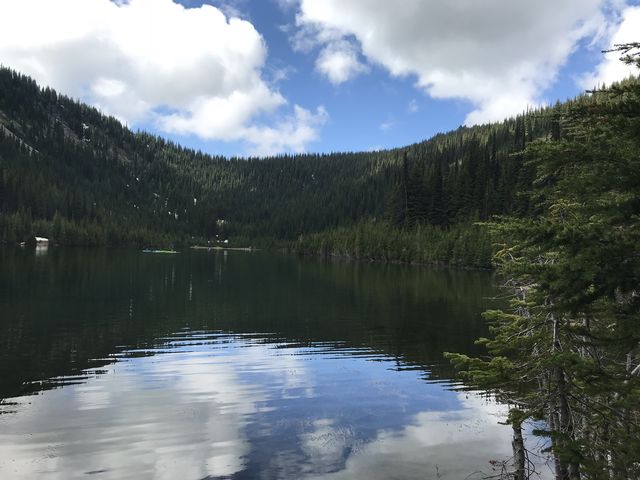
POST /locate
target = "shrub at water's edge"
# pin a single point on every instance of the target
(463, 245)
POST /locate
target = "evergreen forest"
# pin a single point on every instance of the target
(565, 355)
(81, 178)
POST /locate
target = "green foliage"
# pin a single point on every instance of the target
(58, 156)
(459, 245)
(568, 350)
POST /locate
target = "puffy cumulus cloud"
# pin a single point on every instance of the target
(611, 68)
(186, 70)
(228, 119)
(221, 117)
(291, 133)
(339, 62)
(339, 57)
(497, 54)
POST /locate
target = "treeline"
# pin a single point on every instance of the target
(58, 156)
(18, 227)
(464, 245)
(107, 184)
(71, 173)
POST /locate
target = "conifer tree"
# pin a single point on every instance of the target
(568, 351)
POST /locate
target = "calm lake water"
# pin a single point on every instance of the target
(118, 364)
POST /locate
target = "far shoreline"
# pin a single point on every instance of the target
(218, 247)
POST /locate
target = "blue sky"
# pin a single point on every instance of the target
(371, 111)
(256, 77)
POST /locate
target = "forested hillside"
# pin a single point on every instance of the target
(64, 163)
(69, 172)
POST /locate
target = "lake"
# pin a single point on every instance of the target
(118, 364)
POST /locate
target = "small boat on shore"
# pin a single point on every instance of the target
(148, 250)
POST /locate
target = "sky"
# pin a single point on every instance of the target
(265, 77)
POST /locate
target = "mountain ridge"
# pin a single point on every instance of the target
(81, 177)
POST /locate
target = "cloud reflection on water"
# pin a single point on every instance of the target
(436, 444)
(213, 405)
(180, 414)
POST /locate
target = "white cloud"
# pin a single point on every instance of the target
(231, 8)
(139, 59)
(292, 132)
(286, 4)
(387, 125)
(499, 55)
(611, 68)
(339, 62)
(413, 107)
(222, 117)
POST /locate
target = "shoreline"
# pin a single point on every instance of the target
(217, 247)
(354, 259)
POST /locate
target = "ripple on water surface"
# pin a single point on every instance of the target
(209, 404)
(121, 365)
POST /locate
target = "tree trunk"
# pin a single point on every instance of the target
(564, 426)
(519, 453)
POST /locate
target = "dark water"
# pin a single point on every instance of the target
(119, 364)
